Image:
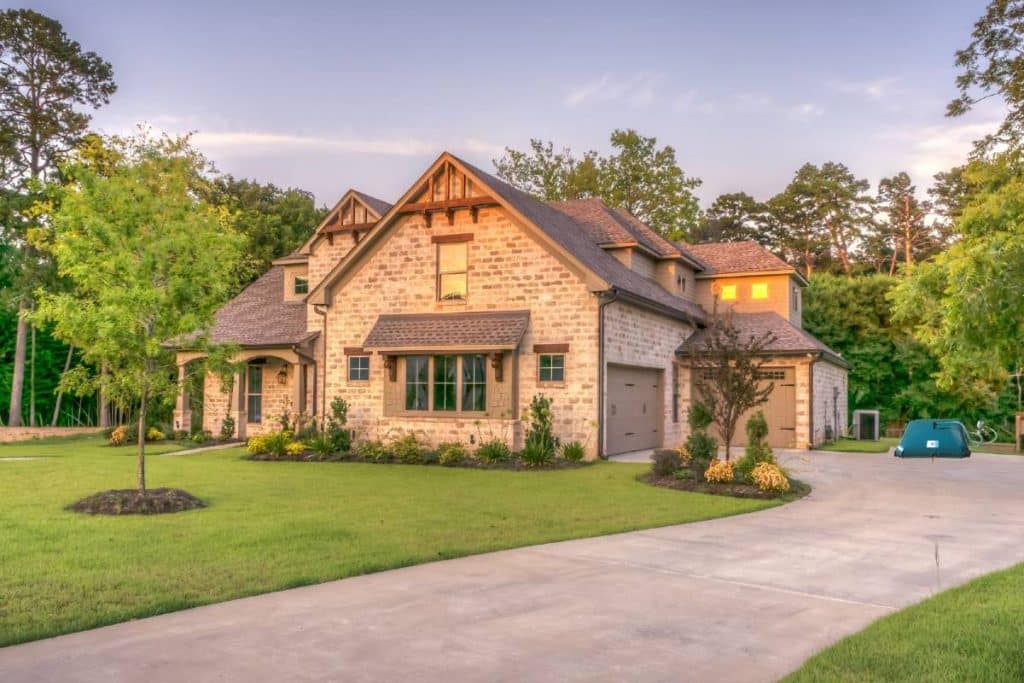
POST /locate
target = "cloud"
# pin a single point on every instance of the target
(805, 111)
(931, 149)
(876, 89)
(639, 91)
(259, 142)
(692, 101)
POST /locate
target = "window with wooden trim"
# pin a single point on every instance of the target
(445, 383)
(759, 290)
(417, 382)
(771, 374)
(452, 267)
(728, 292)
(301, 285)
(474, 383)
(551, 367)
(358, 368)
(254, 394)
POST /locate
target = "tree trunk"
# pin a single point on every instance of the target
(18, 378)
(908, 252)
(60, 392)
(142, 442)
(104, 408)
(32, 381)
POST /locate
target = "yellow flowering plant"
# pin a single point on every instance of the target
(769, 478)
(719, 472)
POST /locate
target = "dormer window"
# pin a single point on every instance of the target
(681, 284)
(451, 271)
(728, 292)
(759, 290)
(301, 285)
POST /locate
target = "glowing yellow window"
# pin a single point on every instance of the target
(759, 290)
(728, 292)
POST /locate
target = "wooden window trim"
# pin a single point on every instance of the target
(356, 351)
(452, 239)
(551, 348)
(432, 413)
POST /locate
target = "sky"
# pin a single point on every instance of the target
(331, 95)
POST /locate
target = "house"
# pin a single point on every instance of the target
(446, 312)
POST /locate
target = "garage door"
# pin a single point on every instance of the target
(779, 411)
(634, 411)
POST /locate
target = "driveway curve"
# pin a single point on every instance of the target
(744, 598)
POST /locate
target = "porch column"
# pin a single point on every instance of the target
(182, 409)
(237, 404)
(298, 390)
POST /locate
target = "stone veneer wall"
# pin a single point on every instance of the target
(277, 399)
(826, 376)
(634, 336)
(12, 434)
(509, 269)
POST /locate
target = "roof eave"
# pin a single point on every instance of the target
(644, 302)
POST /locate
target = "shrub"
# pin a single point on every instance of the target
(256, 445)
(202, 436)
(430, 457)
(295, 448)
(154, 434)
(374, 451)
(573, 451)
(719, 472)
(227, 428)
(408, 450)
(452, 454)
(133, 432)
(119, 436)
(768, 477)
(180, 435)
(494, 451)
(276, 443)
(541, 441)
(757, 450)
(701, 447)
(665, 461)
(336, 425)
(321, 445)
(685, 474)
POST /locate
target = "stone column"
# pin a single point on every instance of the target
(237, 405)
(182, 409)
(297, 388)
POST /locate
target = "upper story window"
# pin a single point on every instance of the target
(301, 285)
(681, 284)
(451, 271)
(759, 290)
(728, 292)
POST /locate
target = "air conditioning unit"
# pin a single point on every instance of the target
(865, 425)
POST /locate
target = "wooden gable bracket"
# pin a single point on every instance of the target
(427, 219)
(474, 213)
(497, 363)
(450, 213)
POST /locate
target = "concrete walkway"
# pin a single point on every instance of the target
(746, 598)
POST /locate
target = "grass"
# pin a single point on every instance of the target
(970, 633)
(276, 525)
(854, 446)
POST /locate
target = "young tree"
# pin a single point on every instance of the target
(735, 217)
(902, 231)
(45, 80)
(148, 262)
(727, 371)
(638, 176)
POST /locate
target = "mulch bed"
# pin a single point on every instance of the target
(797, 489)
(556, 464)
(130, 502)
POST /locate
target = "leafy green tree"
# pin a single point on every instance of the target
(992, 65)
(901, 231)
(46, 78)
(148, 262)
(638, 176)
(274, 221)
(735, 217)
(967, 305)
(793, 219)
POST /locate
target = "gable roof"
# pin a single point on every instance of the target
(610, 226)
(260, 316)
(378, 207)
(432, 331)
(788, 337)
(725, 258)
(572, 237)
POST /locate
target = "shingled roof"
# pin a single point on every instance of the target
(789, 338)
(609, 226)
(722, 258)
(260, 316)
(485, 330)
(576, 237)
(378, 206)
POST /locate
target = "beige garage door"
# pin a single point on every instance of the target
(779, 411)
(634, 412)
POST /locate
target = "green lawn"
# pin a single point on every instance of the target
(854, 446)
(971, 633)
(274, 525)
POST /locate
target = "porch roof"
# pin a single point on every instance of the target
(438, 331)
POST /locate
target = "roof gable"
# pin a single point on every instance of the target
(355, 212)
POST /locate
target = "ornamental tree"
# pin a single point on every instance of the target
(148, 261)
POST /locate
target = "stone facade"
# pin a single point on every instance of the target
(12, 434)
(830, 401)
(508, 269)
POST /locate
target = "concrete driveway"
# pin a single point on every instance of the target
(742, 598)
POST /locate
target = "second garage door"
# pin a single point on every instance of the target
(634, 411)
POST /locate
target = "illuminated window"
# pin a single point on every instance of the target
(728, 292)
(451, 272)
(759, 290)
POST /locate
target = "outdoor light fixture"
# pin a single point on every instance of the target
(282, 377)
